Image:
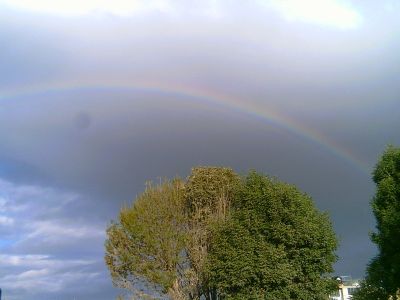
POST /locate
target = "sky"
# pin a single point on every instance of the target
(98, 97)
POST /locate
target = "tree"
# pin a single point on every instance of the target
(143, 248)
(219, 236)
(275, 245)
(161, 241)
(209, 192)
(383, 272)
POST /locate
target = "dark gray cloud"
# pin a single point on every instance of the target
(81, 133)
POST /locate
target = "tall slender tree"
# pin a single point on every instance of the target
(383, 272)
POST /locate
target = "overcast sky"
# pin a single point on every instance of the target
(97, 97)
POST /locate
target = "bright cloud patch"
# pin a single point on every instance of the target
(333, 13)
(74, 7)
(4, 221)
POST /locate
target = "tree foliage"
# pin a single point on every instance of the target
(220, 236)
(208, 193)
(383, 272)
(275, 245)
(144, 246)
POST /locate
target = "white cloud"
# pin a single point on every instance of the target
(76, 7)
(6, 221)
(29, 261)
(20, 260)
(58, 230)
(121, 8)
(333, 13)
(46, 280)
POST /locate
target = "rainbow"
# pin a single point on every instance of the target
(258, 111)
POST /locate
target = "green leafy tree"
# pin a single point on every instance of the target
(383, 273)
(143, 248)
(219, 236)
(275, 245)
(162, 240)
(209, 192)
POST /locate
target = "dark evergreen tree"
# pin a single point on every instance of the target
(383, 272)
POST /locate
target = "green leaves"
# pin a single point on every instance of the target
(147, 240)
(383, 273)
(207, 185)
(221, 236)
(275, 245)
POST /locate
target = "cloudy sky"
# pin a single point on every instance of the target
(97, 97)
